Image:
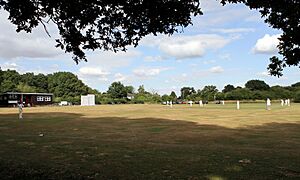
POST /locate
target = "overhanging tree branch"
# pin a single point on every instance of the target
(114, 25)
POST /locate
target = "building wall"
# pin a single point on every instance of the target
(41, 100)
(4, 100)
(28, 99)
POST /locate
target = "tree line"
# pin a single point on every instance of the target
(64, 85)
(253, 90)
(67, 86)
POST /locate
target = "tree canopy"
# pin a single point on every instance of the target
(117, 90)
(208, 92)
(68, 87)
(107, 25)
(64, 85)
(257, 85)
(186, 92)
(228, 88)
(114, 25)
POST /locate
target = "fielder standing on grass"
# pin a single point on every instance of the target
(268, 104)
(20, 106)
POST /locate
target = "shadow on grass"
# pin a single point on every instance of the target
(71, 146)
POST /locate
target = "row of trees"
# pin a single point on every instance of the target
(253, 90)
(117, 93)
(67, 86)
(64, 85)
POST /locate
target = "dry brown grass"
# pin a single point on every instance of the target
(151, 142)
(227, 116)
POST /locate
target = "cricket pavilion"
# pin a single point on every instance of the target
(11, 99)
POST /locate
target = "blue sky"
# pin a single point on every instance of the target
(227, 45)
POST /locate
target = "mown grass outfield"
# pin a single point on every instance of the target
(151, 142)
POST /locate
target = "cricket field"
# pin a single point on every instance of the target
(151, 142)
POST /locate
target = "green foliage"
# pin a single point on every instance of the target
(257, 85)
(220, 96)
(22, 87)
(239, 94)
(260, 95)
(278, 92)
(297, 97)
(39, 82)
(208, 93)
(141, 90)
(228, 88)
(12, 76)
(129, 89)
(153, 98)
(1, 78)
(67, 87)
(166, 97)
(104, 99)
(296, 84)
(146, 97)
(117, 90)
(57, 99)
(140, 99)
(173, 96)
(9, 80)
(66, 84)
(74, 100)
(8, 86)
(117, 94)
(186, 92)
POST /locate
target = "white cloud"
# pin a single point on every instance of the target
(36, 69)
(254, 18)
(36, 44)
(216, 15)
(209, 6)
(153, 58)
(103, 67)
(8, 65)
(24, 46)
(103, 79)
(93, 71)
(148, 72)
(233, 30)
(111, 60)
(209, 62)
(225, 56)
(193, 65)
(181, 78)
(263, 74)
(120, 77)
(91, 75)
(168, 90)
(182, 47)
(216, 69)
(267, 44)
